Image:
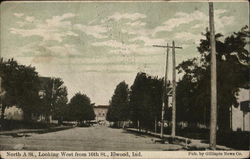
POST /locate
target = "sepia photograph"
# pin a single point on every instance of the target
(124, 77)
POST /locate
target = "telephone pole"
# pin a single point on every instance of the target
(213, 118)
(52, 96)
(164, 104)
(174, 92)
(1, 61)
(0, 92)
(0, 86)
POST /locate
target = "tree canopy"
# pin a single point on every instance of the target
(80, 108)
(193, 90)
(146, 100)
(118, 108)
(21, 84)
(54, 101)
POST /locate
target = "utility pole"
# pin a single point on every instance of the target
(51, 102)
(174, 92)
(213, 118)
(1, 92)
(1, 106)
(0, 86)
(52, 95)
(164, 104)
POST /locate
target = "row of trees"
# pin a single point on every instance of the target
(21, 86)
(145, 100)
(142, 102)
(193, 90)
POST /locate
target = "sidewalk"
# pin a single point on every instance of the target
(21, 132)
(188, 143)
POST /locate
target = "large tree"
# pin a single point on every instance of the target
(59, 106)
(118, 108)
(193, 91)
(80, 108)
(21, 84)
(146, 100)
(54, 99)
(7, 68)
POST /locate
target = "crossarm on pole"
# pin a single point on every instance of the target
(177, 47)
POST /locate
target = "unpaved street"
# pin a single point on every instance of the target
(84, 139)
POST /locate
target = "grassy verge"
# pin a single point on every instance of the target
(19, 124)
(198, 139)
(17, 128)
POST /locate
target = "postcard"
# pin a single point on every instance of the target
(124, 79)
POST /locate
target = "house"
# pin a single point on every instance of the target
(13, 113)
(240, 116)
(16, 113)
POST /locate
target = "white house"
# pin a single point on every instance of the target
(13, 113)
(241, 114)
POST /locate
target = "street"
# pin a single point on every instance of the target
(85, 139)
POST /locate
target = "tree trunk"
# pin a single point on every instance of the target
(138, 125)
(47, 118)
(155, 124)
(123, 124)
(2, 112)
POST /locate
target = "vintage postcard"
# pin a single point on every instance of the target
(124, 79)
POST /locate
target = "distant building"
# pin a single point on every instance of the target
(101, 113)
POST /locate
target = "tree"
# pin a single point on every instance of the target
(54, 101)
(21, 84)
(191, 94)
(232, 72)
(118, 109)
(81, 108)
(146, 100)
(61, 100)
(7, 68)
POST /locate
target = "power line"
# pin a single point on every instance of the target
(164, 104)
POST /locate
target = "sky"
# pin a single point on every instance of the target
(93, 46)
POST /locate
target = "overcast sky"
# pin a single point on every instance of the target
(93, 46)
